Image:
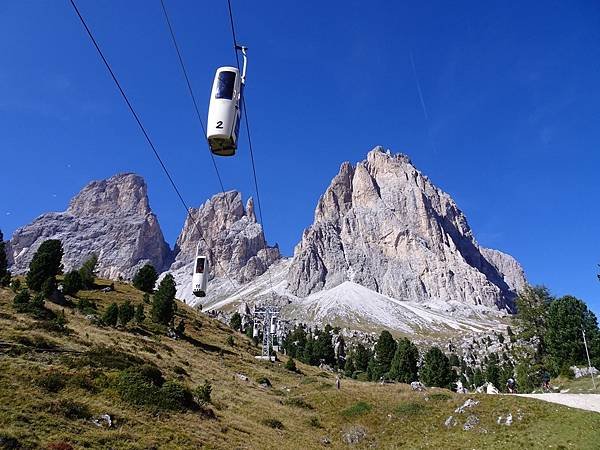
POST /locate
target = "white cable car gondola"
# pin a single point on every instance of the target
(273, 325)
(224, 111)
(255, 330)
(200, 277)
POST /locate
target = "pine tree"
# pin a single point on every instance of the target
(236, 321)
(145, 279)
(4, 273)
(385, 348)
(126, 312)
(111, 315)
(404, 364)
(163, 302)
(492, 371)
(349, 367)
(139, 314)
(46, 263)
(87, 272)
(454, 361)
(323, 348)
(478, 379)
(291, 365)
(72, 283)
(361, 358)
(567, 317)
(48, 287)
(436, 370)
(532, 316)
(180, 328)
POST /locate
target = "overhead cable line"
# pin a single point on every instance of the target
(244, 107)
(191, 91)
(144, 132)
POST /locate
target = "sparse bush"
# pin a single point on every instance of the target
(567, 372)
(409, 408)
(230, 341)
(291, 365)
(21, 300)
(51, 381)
(15, 285)
(236, 321)
(87, 306)
(145, 278)
(9, 442)
(139, 314)
(126, 312)
(136, 389)
(111, 315)
(273, 423)
(109, 358)
(83, 381)
(151, 373)
(315, 422)
(358, 409)
(175, 396)
(178, 370)
(87, 272)
(439, 396)
(202, 393)
(298, 402)
(23, 303)
(70, 409)
(72, 283)
(146, 297)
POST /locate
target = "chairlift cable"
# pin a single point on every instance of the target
(191, 91)
(244, 108)
(143, 129)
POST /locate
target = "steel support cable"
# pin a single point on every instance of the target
(195, 103)
(143, 129)
(244, 108)
(191, 91)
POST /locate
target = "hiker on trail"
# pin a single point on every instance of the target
(337, 382)
(545, 380)
(511, 386)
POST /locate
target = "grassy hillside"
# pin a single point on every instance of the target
(53, 384)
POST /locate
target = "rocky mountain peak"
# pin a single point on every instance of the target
(229, 235)
(122, 194)
(382, 224)
(111, 218)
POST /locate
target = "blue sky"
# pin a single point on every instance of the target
(507, 119)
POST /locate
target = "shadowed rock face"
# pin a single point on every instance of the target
(111, 218)
(229, 235)
(384, 225)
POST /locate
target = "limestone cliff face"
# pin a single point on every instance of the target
(111, 218)
(229, 235)
(382, 224)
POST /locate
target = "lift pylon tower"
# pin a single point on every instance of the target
(267, 316)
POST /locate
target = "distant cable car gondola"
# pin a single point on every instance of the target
(224, 111)
(200, 277)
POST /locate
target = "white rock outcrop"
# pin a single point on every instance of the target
(382, 224)
(111, 218)
(231, 238)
